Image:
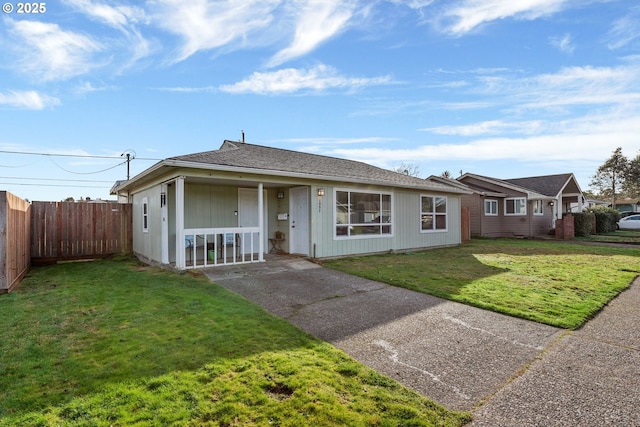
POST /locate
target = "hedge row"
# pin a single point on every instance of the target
(606, 218)
(584, 223)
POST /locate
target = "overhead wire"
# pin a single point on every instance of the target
(87, 173)
(86, 156)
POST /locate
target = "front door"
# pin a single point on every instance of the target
(248, 216)
(299, 220)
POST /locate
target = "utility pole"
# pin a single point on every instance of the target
(129, 158)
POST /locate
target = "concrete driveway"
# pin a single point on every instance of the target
(455, 354)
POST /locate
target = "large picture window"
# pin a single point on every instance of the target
(433, 213)
(362, 214)
(515, 206)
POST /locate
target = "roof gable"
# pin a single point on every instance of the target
(549, 185)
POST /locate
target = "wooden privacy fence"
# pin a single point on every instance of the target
(70, 230)
(15, 224)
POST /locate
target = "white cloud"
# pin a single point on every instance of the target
(30, 100)
(625, 30)
(290, 80)
(315, 23)
(207, 25)
(563, 44)
(570, 86)
(458, 18)
(561, 147)
(45, 51)
(490, 127)
(116, 16)
(123, 19)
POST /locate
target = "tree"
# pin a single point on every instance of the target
(631, 183)
(411, 169)
(446, 174)
(610, 176)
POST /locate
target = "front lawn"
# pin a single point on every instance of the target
(113, 343)
(618, 236)
(550, 282)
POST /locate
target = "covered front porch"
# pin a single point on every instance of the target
(209, 222)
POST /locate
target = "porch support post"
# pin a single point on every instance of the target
(580, 205)
(164, 231)
(261, 222)
(180, 255)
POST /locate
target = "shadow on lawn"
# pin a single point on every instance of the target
(71, 329)
(332, 305)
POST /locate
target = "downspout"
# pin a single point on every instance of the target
(180, 255)
(260, 221)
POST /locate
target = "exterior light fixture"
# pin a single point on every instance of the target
(320, 192)
(551, 203)
(280, 194)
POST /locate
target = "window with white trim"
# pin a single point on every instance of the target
(362, 214)
(145, 215)
(491, 207)
(515, 206)
(538, 207)
(433, 213)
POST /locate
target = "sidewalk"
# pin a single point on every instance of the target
(588, 377)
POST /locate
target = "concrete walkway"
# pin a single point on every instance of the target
(509, 371)
(455, 354)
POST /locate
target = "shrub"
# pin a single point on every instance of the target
(606, 218)
(584, 223)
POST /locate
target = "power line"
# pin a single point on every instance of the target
(54, 179)
(52, 185)
(84, 156)
(88, 173)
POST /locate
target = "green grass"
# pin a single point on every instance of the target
(618, 236)
(114, 343)
(550, 282)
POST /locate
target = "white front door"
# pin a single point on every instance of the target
(248, 216)
(299, 220)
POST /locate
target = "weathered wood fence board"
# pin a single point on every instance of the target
(465, 224)
(15, 227)
(69, 230)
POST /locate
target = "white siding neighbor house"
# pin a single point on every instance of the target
(234, 204)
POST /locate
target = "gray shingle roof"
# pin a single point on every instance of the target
(269, 159)
(549, 185)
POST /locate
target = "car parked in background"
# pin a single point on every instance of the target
(631, 222)
(628, 213)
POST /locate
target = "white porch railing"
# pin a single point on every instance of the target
(209, 247)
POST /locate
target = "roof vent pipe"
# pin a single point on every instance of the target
(242, 137)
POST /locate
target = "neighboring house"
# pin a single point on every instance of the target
(628, 205)
(233, 204)
(591, 203)
(524, 207)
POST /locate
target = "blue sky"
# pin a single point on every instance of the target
(501, 88)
